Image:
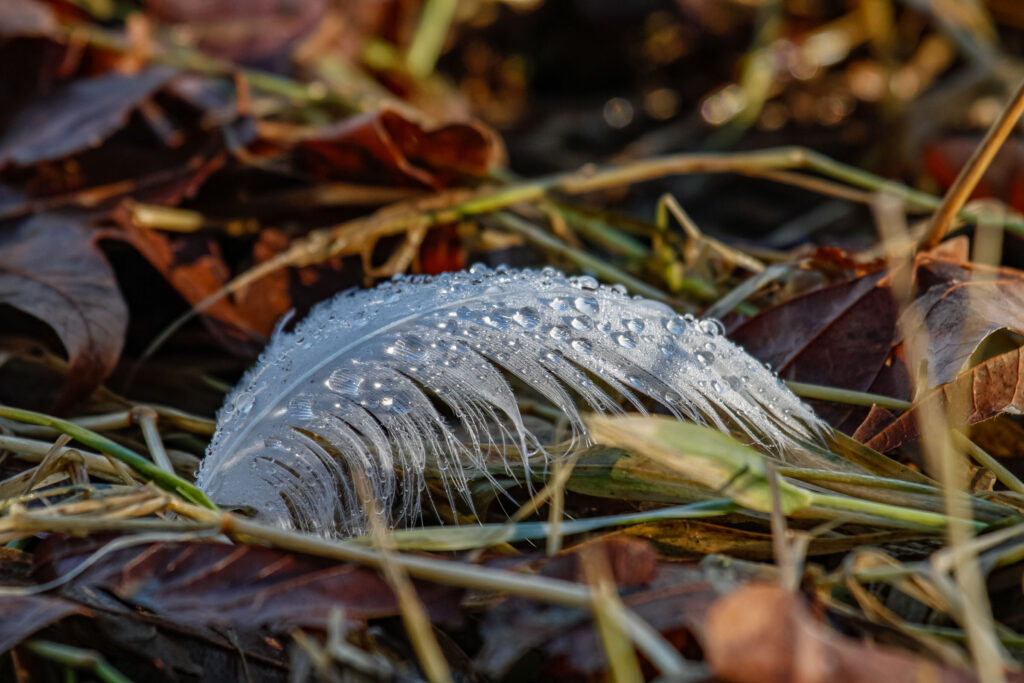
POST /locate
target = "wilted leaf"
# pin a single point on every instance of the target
(669, 597)
(967, 304)
(26, 18)
(241, 31)
(193, 265)
(388, 147)
(840, 336)
(245, 587)
(76, 116)
(762, 633)
(26, 614)
(51, 268)
(992, 388)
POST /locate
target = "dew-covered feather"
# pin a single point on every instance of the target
(413, 375)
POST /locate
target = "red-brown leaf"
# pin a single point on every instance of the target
(245, 587)
(762, 633)
(51, 268)
(992, 388)
(388, 147)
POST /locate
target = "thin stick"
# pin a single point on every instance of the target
(971, 174)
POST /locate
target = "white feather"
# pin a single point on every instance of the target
(389, 380)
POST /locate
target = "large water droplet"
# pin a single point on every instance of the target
(344, 382)
(581, 323)
(496, 321)
(586, 282)
(635, 325)
(705, 357)
(560, 332)
(586, 304)
(408, 347)
(582, 345)
(711, 327)
(559, 304)
(527, 318)
(301, 408)
(675, 325)
(626, 341)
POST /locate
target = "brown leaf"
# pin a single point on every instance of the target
(26, 614)
(762, 633)
(245, 587)
(992, 388)
(669, 597)
(76, 116)
(51, 268)
(26, 18)
(193, 265)
(840, 336)
(241, 31)
(389, 147)
(966, 304)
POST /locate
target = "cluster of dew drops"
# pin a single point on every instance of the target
(458, 328)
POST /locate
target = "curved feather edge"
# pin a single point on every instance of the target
(412, 375)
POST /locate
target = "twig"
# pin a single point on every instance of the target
(972, 173)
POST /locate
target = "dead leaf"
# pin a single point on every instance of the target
(26, 614)
(670, 597)
(76, 116)
(244, 587)
(389, 147)
(967, 303)
(762, 633)
(51, 269)
(194, 266)
(26, 18)
(993, 388)
(840, 336)
(246, 32)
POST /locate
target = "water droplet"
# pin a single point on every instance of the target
(709, 346)
(408, 347)
(705, 357)
(478, 269)
(619, 288)
(635, 326)
(675, 325)
(246, 406)
(559, 304)
(667, 350)
(586, 304)
(301, 408)
(526, 318)
(560, 332)
(688, 317)
(716, 386)
(496, 321)
(581, 323)
(582, 345)
(711, 327)
(626, 341)
(586, 282)
(344, 382)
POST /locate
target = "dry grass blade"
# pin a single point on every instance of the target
(973, 171)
